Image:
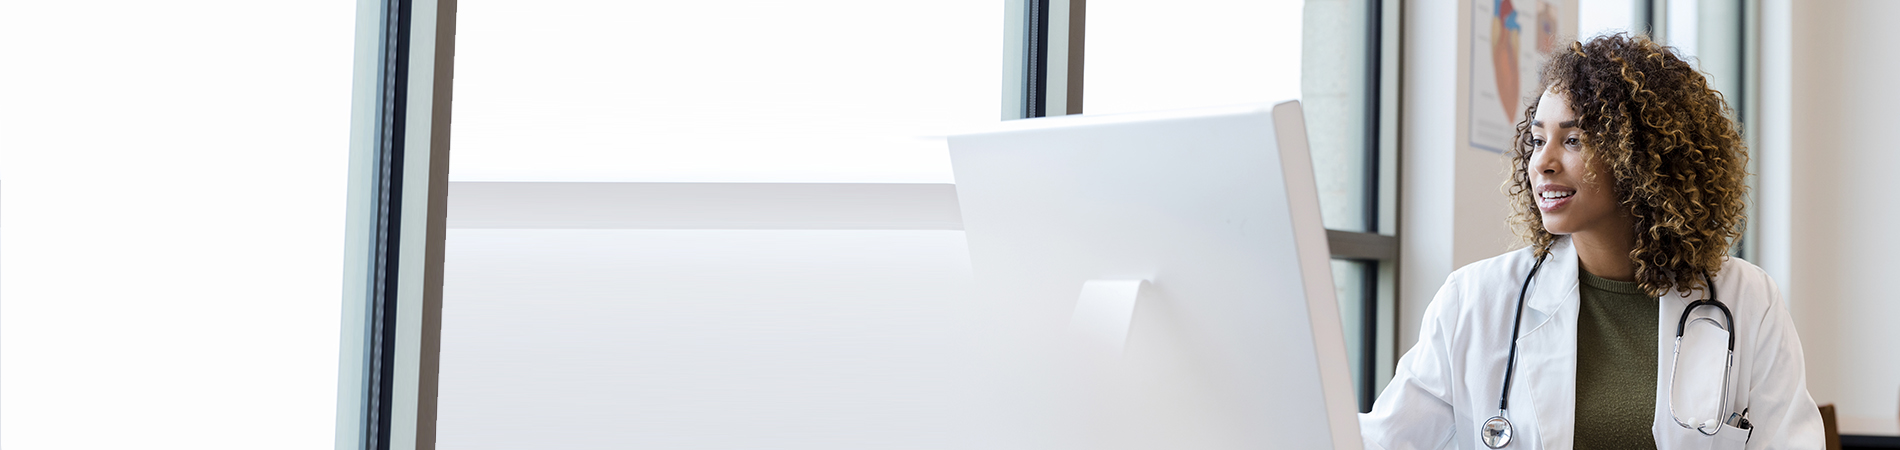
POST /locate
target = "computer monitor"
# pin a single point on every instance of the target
(1153, 280)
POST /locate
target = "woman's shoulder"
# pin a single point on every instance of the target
(1743, 270)
(1514, 265)
(1487, 285)
(1747, 288)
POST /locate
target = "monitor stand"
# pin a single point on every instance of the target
(1103, 314)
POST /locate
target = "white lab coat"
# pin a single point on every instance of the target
(1448, 384)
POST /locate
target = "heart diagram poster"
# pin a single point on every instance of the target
(1510, 40)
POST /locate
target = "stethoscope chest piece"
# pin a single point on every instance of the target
(1497, 431)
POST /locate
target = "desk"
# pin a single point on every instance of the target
(1865, 442)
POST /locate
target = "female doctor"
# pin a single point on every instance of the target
(1627, 186)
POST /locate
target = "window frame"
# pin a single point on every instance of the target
(395, 224)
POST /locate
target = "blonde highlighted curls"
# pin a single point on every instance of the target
(1676, 158)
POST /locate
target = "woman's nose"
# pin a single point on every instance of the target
(1544, 160)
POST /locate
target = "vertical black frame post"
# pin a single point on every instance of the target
(1369, 313)
(380, 353)
(1036, 58)
(1646, 20)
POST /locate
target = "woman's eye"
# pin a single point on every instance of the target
(1572, 141)
(1537, 142)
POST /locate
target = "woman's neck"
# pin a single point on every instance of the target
(1605, 252)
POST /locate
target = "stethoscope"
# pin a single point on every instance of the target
(1496, 432)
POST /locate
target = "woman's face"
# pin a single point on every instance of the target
(1571, 199)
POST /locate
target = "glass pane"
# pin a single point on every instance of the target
(1147, 55)
(1717, 46)
(1681, 30)
(1605, 17)
(1335, 94)
(1165, 55)
(172, 188)
(737, 91)
(1349, 282)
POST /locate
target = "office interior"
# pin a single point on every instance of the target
(735, 224)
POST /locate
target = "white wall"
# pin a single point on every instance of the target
(1839, 157)
(1428, 164)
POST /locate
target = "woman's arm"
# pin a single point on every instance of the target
(1779, 408)
(1414, 411)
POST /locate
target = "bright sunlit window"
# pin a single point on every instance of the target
(746, 91)
(1145, 55)
(171, 223)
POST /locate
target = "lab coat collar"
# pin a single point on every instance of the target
(1554, 287)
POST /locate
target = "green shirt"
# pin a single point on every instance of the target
(1616, 365)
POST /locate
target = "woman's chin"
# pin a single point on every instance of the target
(1557, 229)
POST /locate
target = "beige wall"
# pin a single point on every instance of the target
(1840, 153)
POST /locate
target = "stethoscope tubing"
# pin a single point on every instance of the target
(1683, 322)
(1510, 362)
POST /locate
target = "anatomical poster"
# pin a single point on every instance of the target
(1509, 41)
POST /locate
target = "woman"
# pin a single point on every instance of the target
(1628, 188)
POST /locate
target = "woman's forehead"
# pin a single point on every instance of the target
(1553, 107)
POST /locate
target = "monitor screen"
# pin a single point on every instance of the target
(1152, 280)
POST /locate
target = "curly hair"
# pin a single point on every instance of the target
(1676, 159)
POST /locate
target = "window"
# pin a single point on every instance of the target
(592, 112)
(172, 186)
(1348, 86)
(1147, 56)
(723, 222)
(747, 91)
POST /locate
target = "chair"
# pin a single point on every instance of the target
(1830, 428)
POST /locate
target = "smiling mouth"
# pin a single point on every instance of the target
(1550, 200)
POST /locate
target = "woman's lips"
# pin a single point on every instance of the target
(1546, 203)
(1551, 204)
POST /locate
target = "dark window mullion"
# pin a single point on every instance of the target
(381, 352)
(1369, 313)
(1036, 58)
(1369, 334)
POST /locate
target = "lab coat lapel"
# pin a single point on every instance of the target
(1548, 355)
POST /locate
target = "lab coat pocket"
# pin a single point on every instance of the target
(1677, 437)
(1732, 438)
